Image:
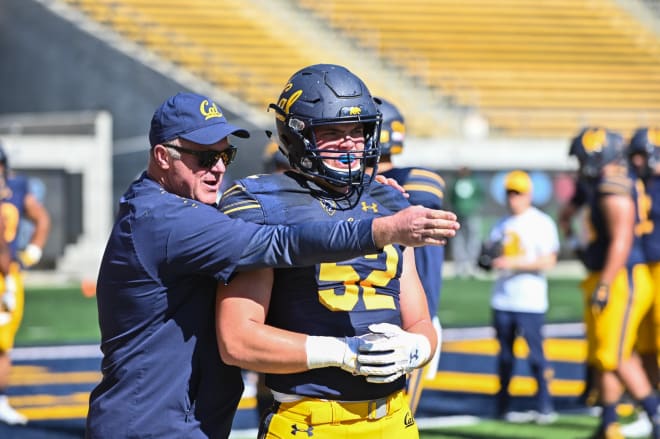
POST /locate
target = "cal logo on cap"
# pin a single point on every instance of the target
(209, 110)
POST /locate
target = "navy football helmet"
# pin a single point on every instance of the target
(325, 94)
(393, 131)
(594, 148)
(646, 141)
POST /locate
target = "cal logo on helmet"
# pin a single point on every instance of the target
(350, 111)
(594, 140)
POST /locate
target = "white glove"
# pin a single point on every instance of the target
(333, 352)
(390, 352)
(31, 255)
(9, 296)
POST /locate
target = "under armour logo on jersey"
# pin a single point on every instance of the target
(366, 207)
(308, 430)
(209, 110)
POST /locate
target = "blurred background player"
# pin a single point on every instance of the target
(328, 124)
(466, 197)
(16, 203)
(617, 289)
(530, 243)
(644, 159)
(427, 188)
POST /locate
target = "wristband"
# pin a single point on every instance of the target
(324, 351)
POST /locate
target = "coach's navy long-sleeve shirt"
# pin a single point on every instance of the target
(162, 373)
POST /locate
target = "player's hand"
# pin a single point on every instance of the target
(30, 256)
(391, 182)
(415, 226)
(8, 300)
(339, 352)
(390, 352)
(599, 298)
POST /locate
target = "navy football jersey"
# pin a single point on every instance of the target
(650, 224)
(426, 188)
(599, 239)
(330, 299)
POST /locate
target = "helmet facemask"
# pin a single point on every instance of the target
(313, 161)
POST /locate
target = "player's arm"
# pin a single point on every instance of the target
(5, 253)
(38, 215)
(244, 339)
(619, 211)
(415, 314)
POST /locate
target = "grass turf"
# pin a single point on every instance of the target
(64, 315)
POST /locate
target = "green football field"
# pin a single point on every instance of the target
(63, 315)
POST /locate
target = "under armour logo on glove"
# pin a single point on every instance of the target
(308, 430)
(414, 356)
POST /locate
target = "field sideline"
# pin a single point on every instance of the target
(57, 360)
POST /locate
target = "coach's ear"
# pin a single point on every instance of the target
(161, 156)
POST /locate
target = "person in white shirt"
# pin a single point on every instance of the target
(529, 245)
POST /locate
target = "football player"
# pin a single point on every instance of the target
(643, 157)
(328, 126)
(16, 203)
(425, 187)
(617, 288)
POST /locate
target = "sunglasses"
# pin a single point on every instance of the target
(208, 158)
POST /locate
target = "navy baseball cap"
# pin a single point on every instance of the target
(191, 117)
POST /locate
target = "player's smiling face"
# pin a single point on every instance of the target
(337, 142)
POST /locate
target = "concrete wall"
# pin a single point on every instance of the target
(50, 65)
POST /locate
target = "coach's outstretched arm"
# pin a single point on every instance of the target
(329, 241)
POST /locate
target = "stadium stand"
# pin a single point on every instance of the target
(533, 68)
(251, 47)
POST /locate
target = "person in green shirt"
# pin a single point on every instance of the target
(466, 196)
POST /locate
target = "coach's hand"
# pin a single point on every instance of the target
(415, 226)
(391, 352)
(599, 298)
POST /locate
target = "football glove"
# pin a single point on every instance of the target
(30, 256)
(390, 352)
(599, 298)
(333, 352)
